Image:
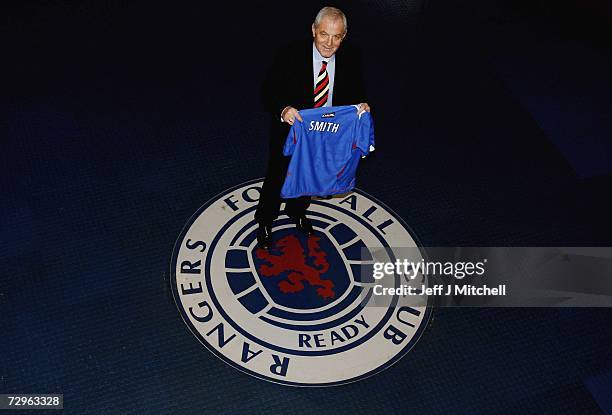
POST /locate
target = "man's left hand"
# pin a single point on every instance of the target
(363, 107)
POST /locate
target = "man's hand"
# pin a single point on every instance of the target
(363, 107)
(290, 114)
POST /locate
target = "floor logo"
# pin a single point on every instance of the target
(302, 312)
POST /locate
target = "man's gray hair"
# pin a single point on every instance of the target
(333, 13)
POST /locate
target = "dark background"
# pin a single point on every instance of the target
(119, 119)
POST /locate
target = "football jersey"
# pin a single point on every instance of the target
(325, 149)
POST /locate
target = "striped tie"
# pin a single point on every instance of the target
(322, 87)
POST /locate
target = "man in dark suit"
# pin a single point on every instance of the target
(305, 75)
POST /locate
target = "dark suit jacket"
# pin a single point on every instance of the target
(289, 81)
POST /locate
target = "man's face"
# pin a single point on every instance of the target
(328, 36)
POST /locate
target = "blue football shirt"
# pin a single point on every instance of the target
(325, 149)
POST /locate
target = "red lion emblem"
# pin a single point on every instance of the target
(292, 259)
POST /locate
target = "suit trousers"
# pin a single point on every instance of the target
(270, 199)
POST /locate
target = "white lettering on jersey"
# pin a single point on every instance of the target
(324, 126)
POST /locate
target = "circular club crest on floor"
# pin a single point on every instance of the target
(301, 313)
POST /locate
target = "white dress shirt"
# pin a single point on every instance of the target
(317, 61)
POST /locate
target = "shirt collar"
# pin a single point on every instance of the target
(316, 56)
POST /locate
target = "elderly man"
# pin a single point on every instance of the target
(308, 74)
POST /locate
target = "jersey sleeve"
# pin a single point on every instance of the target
(364, 133)
(292, 139)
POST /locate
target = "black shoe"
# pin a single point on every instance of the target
(264, 236)
(303, 224)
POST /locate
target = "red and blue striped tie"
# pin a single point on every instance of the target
(321, 90)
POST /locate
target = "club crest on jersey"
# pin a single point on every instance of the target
(300, 313)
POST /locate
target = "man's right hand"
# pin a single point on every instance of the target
(290, 114)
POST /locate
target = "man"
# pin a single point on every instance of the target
(305, 75)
